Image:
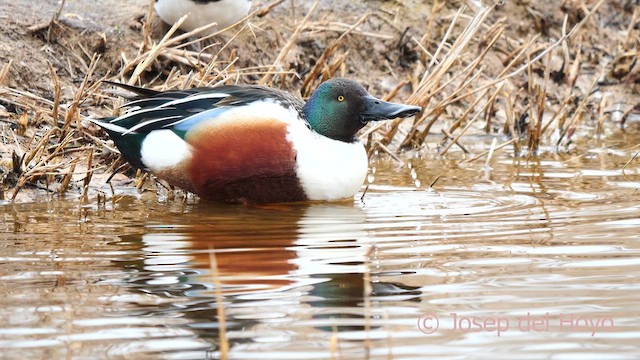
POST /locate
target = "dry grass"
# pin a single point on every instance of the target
(467, 66)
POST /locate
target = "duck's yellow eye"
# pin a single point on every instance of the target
(340, 98)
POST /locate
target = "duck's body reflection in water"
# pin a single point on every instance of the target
(301, 266)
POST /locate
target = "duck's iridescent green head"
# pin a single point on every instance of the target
(341, 107)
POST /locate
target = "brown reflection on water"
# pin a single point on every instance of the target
(551, 238)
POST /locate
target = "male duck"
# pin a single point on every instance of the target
(252, 144)
(202, 12)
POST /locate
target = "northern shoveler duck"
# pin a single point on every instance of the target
(252, 144)
(202, 12)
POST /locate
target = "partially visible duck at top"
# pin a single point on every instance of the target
(202, 12)
(253, 144)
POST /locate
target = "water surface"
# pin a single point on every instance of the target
(523, 259)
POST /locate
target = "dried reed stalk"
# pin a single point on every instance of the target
(310, 79)
(285, 50)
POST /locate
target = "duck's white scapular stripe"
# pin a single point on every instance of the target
(109, 126)
(163, 149)
(194, 98)
(132, 104)
(145, 123)
(132, 113)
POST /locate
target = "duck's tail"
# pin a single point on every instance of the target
(110, 128)
(129, 143)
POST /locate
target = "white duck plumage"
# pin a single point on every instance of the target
(202, 12)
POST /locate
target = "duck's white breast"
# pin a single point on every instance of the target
(223, 12)
(327, 169)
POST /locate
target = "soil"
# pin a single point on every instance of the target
(103, 27)
(113, 29)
